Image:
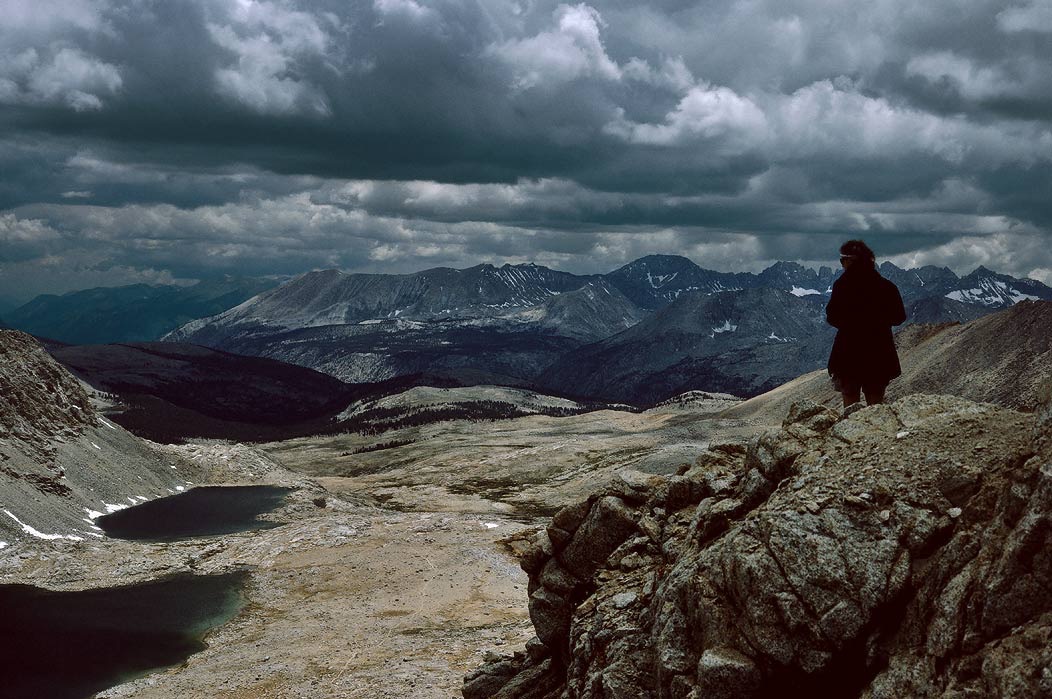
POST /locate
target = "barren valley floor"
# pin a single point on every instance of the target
(405, 579)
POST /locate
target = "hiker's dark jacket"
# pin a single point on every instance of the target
(863, 307)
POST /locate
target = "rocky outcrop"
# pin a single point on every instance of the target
(905, 550)
(38, 398)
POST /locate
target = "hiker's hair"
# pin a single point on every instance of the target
(858, 250)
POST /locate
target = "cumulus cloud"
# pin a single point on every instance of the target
(673, 74)
(408, 9)
(1042, 274)
(974, 82)
(64, 75)
(26, 19)
(25, 239)
(573, 49)
(826, 118)
(1034, 16)
(197, 137)
(706, 113)
(269, 42)
(557, 201)
(1005, 250)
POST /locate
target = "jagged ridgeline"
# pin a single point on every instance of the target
(652, 329)
(903, 551)
(521, 324)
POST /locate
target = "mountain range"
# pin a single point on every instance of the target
(853, 538)
(656, 327)
(653, 328)
(133, 313)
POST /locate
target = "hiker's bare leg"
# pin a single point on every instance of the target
(850, 398)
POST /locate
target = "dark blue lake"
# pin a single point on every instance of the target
(202, 511)
(69, 645)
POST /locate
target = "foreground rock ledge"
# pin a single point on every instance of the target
(903, 551)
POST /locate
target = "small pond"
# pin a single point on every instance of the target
(69, 645)
(201, 511)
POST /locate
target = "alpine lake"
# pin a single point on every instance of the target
(70, 645)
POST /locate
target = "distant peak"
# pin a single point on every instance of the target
(665, 258)
(322, 277)
(324, 273)
(660, 262)
(785, 265)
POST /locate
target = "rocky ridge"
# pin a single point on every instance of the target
(39, 400)
(902, 550)
(61, 463)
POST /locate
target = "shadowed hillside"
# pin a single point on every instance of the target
(134, 313)
(743, 343)
(59, 459)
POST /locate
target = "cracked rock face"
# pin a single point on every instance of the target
(38, 398)
(903, 551)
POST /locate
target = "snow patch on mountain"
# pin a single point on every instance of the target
(659, 280)
(727, 327)
(41, 535)
(991, 292)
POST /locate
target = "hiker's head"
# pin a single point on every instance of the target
(856, 252)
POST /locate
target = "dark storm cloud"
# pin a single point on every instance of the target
(161, 140)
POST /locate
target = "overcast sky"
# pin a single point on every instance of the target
(155, 141)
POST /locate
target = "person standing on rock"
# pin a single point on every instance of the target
(863, 307)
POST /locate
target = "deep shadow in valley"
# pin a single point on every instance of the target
(170, 392)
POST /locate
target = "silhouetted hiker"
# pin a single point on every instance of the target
(863, 307)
